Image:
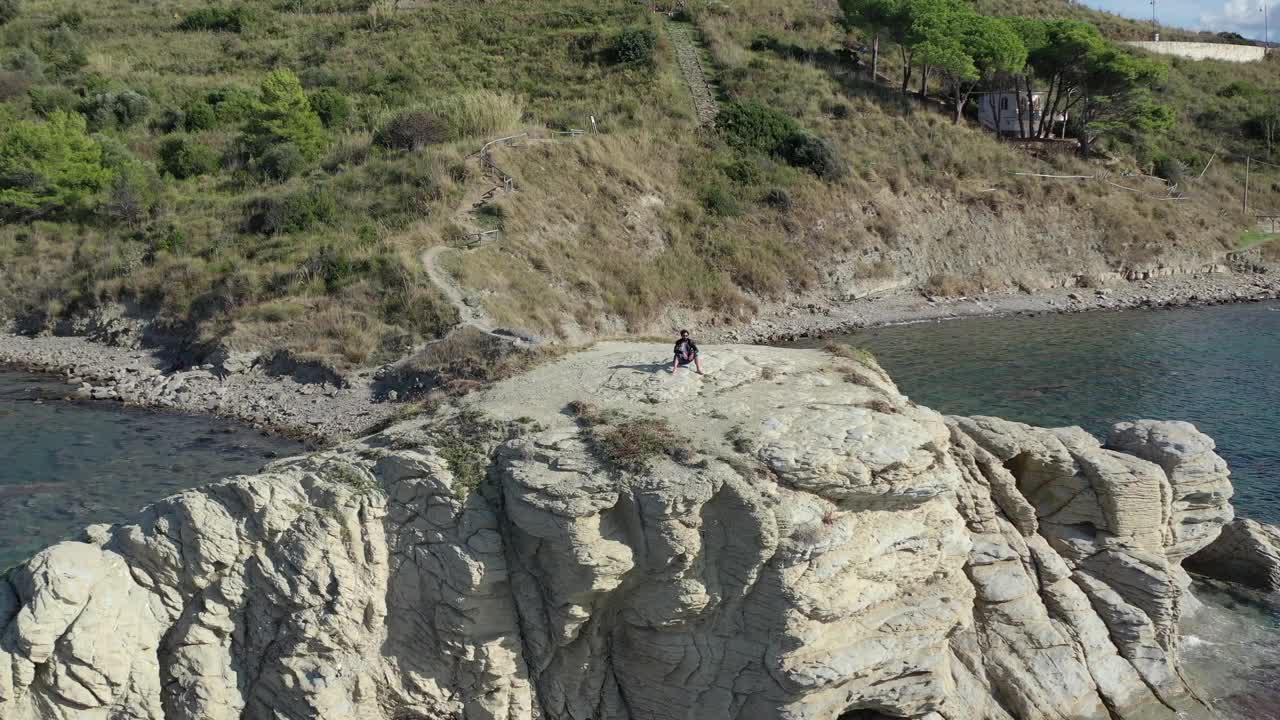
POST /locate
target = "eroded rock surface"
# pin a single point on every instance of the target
(822, 549)
(1247, 552)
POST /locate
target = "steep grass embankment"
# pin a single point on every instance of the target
(648, 221)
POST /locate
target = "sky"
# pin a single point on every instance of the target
(1242, 16)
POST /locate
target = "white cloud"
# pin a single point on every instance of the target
(1242, 16)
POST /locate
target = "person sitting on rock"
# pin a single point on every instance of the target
(686, 353)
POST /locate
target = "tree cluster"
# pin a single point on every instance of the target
(1105, 90)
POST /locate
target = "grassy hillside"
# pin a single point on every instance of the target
(349, 283)
(649, 220)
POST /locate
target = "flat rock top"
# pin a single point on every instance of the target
(805, 408)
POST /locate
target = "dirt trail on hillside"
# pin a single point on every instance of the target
(468, 314)
(471, 314)
(689, 55)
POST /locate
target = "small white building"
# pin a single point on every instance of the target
(1009, 111)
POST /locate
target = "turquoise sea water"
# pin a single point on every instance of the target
(65, 465)
(1217, 367)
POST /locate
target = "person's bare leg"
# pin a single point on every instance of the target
(675, 364)
(697, 363)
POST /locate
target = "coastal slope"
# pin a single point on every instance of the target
(787, 536)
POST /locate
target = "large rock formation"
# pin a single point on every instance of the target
(787, 537)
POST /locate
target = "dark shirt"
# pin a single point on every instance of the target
(685, 348)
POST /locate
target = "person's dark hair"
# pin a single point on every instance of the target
(684, 333)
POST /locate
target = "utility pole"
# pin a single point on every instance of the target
(1155, 26)
(1247, 165)
(1266, 27)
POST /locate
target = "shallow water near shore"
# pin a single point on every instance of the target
(1217, 367)
(65, 465)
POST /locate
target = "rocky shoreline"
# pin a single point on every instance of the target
(319, 412)
(819, 316)
(324, 410)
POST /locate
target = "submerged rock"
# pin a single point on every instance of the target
(818, 547)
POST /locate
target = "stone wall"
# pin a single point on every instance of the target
(1204, 51)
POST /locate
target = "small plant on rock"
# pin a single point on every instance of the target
(347, 475)
(629, 443)
(466, 461)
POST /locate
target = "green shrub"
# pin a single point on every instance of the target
(754, 127)
(27, 61)
(133, 195)
(744, 171)
(320, 6)
(49, 168)
(13, 84)
(281, 162)
(122, 110)
(72, 18)
(751, 126)
(9, 10)
(309, 209)
(816, 154)
(218, 19)
(170, 120)
(64, 51)
(718, 200)
(1169, 168)
(292, 214)
(166, 238)
(233, 105)
(479, 114)
(49, 99)
(333, 108)
(199, 116)
(1240, 89)
(633, 443)
(778, 199)
(635, 46)
(185, 158)
(115, 154)
(284, 116)
(412, 130)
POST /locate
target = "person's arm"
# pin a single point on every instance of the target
(693, 347)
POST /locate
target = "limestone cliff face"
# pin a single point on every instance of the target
(819, 548)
